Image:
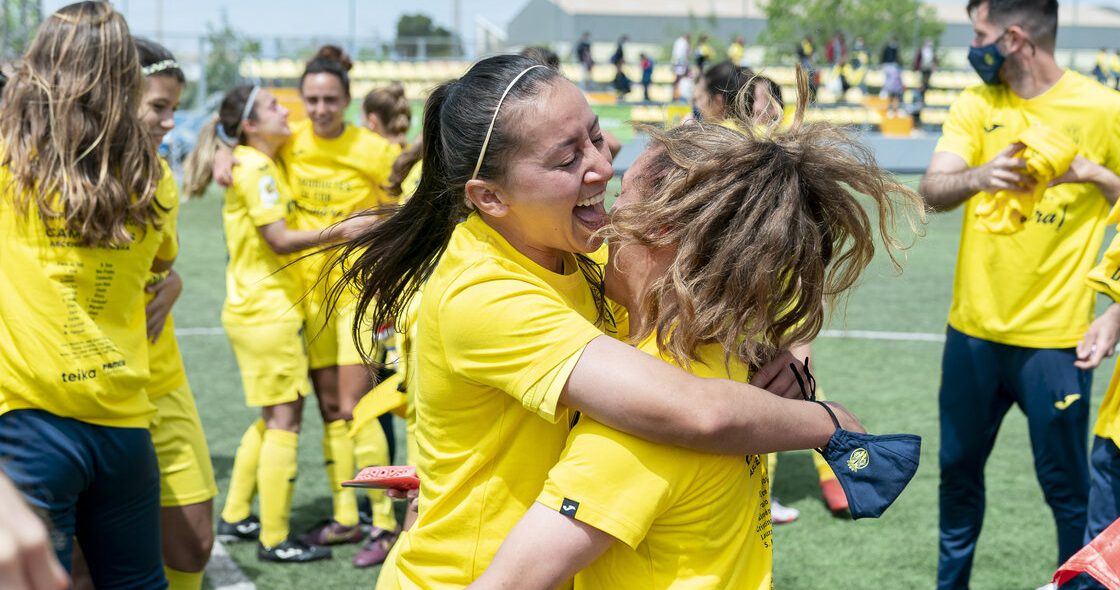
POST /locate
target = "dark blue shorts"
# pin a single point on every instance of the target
(95, 483)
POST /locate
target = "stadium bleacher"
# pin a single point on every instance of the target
(418, 77)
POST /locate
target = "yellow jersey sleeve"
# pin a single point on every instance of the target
(164, 360)
(540, 333)
(168, 196)
(259, 189)
(961, 131)
(1105, 276)
(594, 452)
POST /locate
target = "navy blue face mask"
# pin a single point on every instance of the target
(872, 469)
(987, 60)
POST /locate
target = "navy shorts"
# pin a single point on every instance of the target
(95, 483)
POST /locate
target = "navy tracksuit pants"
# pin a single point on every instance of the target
(980, 381)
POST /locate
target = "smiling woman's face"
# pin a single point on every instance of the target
(555, 182)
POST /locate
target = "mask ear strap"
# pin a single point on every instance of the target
(832, 415)
(811, 380)
(800, 383)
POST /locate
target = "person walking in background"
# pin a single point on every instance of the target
(618, 60)
(647, 74)
(890, 53)
(859, 63)
(736, 52)
(1101, 69)
(1114, 67)
(681, 48)
(925, 60)
(703, 52)
(1015, 337)
(837, 50)
(892, 74)
(805, 53)
(583, 56)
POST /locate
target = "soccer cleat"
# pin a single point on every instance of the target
(376, 548)
(247, 529)
(780, 514)
(330, 532)
(292, 551)
(834, 496)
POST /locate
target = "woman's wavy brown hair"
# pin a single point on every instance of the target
(767, 227)
(69, 132)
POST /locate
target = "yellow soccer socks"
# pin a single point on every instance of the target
(372, 448)
(243, 479)
(338, 456)
(277, 477)
(178, 580)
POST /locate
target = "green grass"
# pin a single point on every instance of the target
(892, 386)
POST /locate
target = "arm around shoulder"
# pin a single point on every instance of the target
(636, 393)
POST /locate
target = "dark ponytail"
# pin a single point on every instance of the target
(727, 80)
(387, 263)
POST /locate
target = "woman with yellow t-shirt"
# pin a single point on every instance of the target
(86, 215)
(683, 230)
(386, 112)
(335, 169)
(187, 486)
(262, 316)
(511, 325)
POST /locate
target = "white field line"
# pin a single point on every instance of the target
(858, 334)
(223, 572)
(876, 335)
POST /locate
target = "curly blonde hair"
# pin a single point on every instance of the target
(69, 132)
(767, 228)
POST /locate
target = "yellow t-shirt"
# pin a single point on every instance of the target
(685, 519)
(259, 288)
(493, 326)
(1105, 278)
(1027, 289)
(74, 331)
(735, 53)
(333, 178)
(164, 358)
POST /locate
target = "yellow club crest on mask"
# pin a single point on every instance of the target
(858, 459)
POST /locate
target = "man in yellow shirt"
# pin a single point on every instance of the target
(1017, 314)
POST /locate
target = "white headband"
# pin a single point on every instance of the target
(486, 141)
(245, 112)
(158, 67)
